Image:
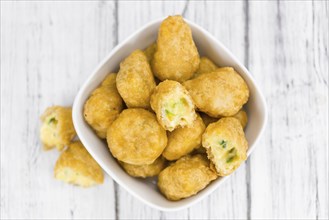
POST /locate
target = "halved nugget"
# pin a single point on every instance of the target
(172, 105)
(226, 145)
(136, 137)
(206, 66)
(219, 93)
(76, 166)
(182, 141)
(147, 170)
(186, 177)
(57, 128)
(176, 56)
(135, 81)
(103, 106)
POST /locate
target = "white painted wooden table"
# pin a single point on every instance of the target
(49, 48)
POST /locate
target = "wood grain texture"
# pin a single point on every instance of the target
(49, 48)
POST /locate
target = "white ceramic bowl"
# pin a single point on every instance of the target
(146, 190)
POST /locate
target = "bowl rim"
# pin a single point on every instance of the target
(76, 113)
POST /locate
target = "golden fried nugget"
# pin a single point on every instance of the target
(76, 166)
(57, 128)
(136, 137)
(226, 145)
(186, 177)
(149, 51)
(103, 106)
(207, 119)
(182, 141)
(242, 117)
(206, 66)
(144, 171)
(135, 81)
(219, 93)
(110, 80)
(172, 105)
(176, 56)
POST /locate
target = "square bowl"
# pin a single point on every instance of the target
(146, 190)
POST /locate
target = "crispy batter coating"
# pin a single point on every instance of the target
(207, 119)
(57, 128)
(176, 56)
(226, 145)
(76, 166)
(149, 51)
(136, 137)
(103, 106)
(144, 171)
(182, 141)
(219, 93)
(110, 80)
(206, 66)
(186, 177)
(172, 105)
(135, 81)
(242, 117)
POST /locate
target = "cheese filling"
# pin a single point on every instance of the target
(177, 111)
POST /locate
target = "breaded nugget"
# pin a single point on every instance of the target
(76, 166)
(103, 106)
(176, 56)
(110, 80)
(242, 117)
(226, 145)
(219, 93)
(172, 105)
(136, 137)
(135, 81)
(144, 171)
(57, 128)
(207, 119)
(182, 141)
(206, 66)
(186, 177)
(149, 51)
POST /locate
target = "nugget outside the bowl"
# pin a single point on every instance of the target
(136, 137)
(147, 170)
(183, 141)
(57, 128)
(226, 145)
(103, 106)
(172, 105)
(176, 56)
(219, 93)
(76, 166)
(186, 177)
(135, 81)
(206, 66)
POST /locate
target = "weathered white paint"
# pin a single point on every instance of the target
(49, 48)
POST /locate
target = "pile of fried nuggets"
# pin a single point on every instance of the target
(166, 113)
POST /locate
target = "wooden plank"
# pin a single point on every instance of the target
(229, 201)
(48, 49)
(289, 57)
